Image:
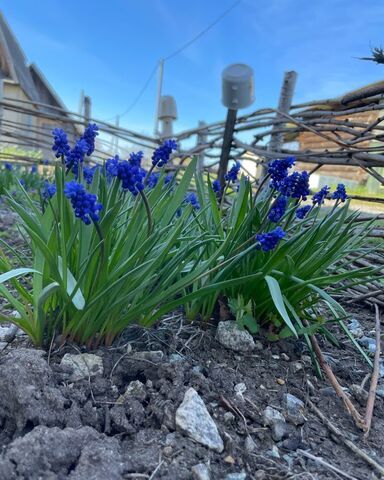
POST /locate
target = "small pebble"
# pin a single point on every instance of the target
(168, 451)
(240, 388)
(200, 472)
(274, 452)
(249, 444)
(229, 417)
(280, 381)
(285, 357)
(229, 459)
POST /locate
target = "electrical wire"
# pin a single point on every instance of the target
(174, 54)
(203, 32)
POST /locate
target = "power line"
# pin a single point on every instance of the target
(140, 94)
(175, 53)
(203, 32)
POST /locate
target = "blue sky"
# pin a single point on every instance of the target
(109, 49)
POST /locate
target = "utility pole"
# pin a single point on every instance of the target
(158, 97)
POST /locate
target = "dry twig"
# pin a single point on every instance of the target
(375, 376)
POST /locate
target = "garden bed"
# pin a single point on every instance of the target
(54, 427)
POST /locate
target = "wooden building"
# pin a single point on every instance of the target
(25, 86)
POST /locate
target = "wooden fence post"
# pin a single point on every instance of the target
(285, 102)
(87, 110)
(201, 139)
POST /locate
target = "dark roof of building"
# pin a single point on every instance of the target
(16, 61)
(14, 66)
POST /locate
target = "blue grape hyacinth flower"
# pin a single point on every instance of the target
(135, 158)
(278, 170)
(162, 154)
(191, 198)
(89, 135)
(111, 167)
(60, 143)
(131, 176)
(319, 197)
(278, 209)
(216, 187)
(8, 166)
(268, 241)
(89, 173)
(84, 204)
(302, 212)
(48, 190)
(76, 156)
(153, 180)
(340, 193)
(232, 174)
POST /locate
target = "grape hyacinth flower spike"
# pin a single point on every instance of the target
(83, 203)
(60, 143)
(268, 241)
(232, 174)
(340, 193)
(162, 154)
(319, 197)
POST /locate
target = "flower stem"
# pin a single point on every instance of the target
(149, 214)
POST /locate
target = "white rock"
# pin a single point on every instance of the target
(249, 444)
(84, 365)
(230, 335)
(274, 452)
(135, 389)
(236, 476)
(193, 418)
(7, 333)
(229, 417)
(240, 388)
(271, 416)
(200, 472)
(368, 343)
(355, 328)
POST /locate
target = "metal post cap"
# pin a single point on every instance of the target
(167, 108)
(237, 86)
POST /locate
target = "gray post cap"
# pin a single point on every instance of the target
(237, 86)
(167, 108)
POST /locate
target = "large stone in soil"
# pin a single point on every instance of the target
(50, 453)
(28, 395)
(84, 365)
(232, 337)
(193, 418)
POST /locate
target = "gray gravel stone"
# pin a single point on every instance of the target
(355, 328)
(249, 444)
(368, 343)
(84, 365)
(7, 333)
(271, 415)
(279, 430)
(230, 336)
(193, 418)
(236, 476)
(200, 472)
(135, 389)
(295, 409)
